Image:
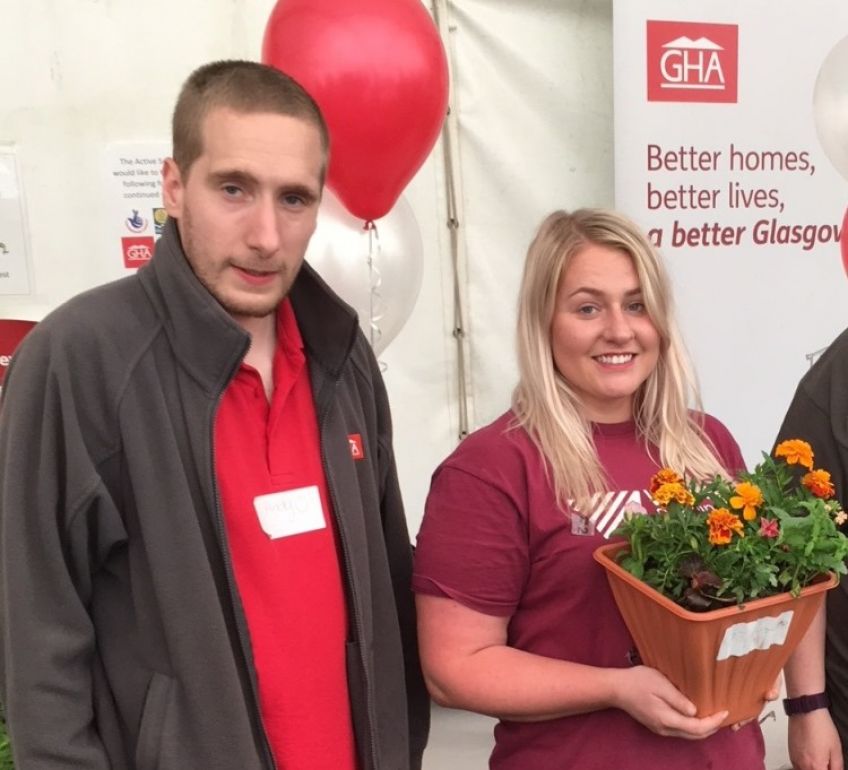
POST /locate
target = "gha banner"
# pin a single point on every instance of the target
(719, 114)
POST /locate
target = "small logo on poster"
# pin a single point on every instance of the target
(136, 223)
(692, 62)
(137, 251)
(160, 216)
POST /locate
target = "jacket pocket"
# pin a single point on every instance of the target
(150, 728)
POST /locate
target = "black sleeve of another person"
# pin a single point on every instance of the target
(818, 414)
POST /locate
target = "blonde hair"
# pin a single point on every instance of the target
(548, 408)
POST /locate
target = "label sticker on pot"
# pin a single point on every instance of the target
(742, 638)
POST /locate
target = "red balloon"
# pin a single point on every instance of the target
(843, 241)
(378, 71)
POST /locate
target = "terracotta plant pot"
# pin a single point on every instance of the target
(722, 659)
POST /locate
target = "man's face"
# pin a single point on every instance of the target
(247, 206)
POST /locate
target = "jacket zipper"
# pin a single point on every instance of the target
(231, 584)
(331, 486)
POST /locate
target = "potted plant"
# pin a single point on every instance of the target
(720, 584)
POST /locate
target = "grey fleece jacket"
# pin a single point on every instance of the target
(123, 643)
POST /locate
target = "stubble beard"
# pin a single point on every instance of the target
(207, 274)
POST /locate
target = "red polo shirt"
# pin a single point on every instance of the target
(282, 541)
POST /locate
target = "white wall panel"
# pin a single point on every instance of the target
(533, 86)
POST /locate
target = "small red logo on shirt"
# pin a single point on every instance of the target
(692, 62)
(137, 251)
(354, 440)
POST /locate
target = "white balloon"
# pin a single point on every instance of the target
(830, 106)
(377, 272)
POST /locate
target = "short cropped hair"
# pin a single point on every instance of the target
(242, 86)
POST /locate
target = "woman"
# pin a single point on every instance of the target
(515, 618)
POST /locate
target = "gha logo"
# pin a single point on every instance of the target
(11, 334)
(137, 251)
(692, 62)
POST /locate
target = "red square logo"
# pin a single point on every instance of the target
(692, 62)
(137, 251)
(11, 334)
(354, 440)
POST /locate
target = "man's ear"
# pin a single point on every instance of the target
(172, 188)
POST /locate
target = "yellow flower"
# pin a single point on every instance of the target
(668, 492)
(665, 476)
(796, 452)
(723, 524)
(684, 496)
(748, 498)
(819, 483)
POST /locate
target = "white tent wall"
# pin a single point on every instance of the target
(532, 95)
(533, 88)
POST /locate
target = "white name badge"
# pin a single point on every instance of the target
(282, 514)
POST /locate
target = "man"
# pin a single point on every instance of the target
(817, 673)
(203, 557)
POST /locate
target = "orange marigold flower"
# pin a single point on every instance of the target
(664, 476)
(668, 492)
(748, 498)
(723, 524)
(795, 452)
(684, 496)
(819, 483)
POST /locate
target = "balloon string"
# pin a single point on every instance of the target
(375, 280)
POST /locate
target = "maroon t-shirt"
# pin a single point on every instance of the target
(494, 540)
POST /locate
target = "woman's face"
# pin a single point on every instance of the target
(602, 340)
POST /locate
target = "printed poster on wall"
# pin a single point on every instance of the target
(134, 187)
(14, 265)
(725, 118)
